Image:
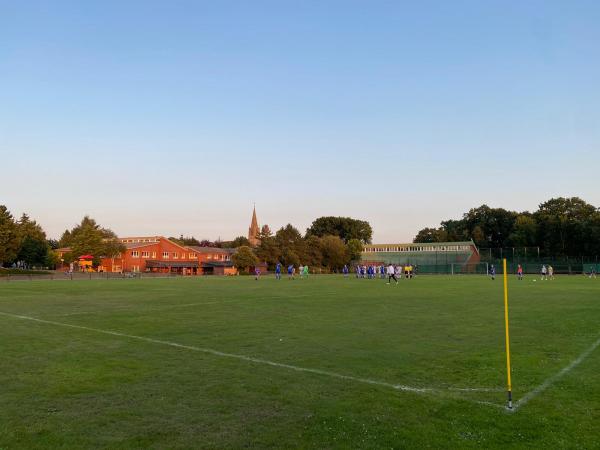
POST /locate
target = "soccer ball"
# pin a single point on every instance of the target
(534, 280)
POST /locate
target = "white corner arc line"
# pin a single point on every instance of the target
(224, 354)
(554, 378)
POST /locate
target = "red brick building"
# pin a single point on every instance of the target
(159, 254)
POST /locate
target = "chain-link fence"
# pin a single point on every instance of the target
(66, 276)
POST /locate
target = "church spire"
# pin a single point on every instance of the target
(253, 230)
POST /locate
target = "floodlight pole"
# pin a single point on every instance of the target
(509, 384)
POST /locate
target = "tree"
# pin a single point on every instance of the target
(267, 249)
(489, 226)
(33, 247)
(524, 232)
(9, 236)
(88, 238)
(564, 225)
(239, 242)
(431, 235)
(355, 248)
(289, 256)
(314, 252)
(345, 228)
(186, 241)
(288, 239)
(65, 239)
(334, 251)
(244, 258)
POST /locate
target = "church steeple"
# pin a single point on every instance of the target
(253, 230)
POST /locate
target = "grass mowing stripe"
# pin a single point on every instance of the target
(173, 306)
(550, 381)
(399, 387)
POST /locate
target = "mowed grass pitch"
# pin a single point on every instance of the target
(366, 346)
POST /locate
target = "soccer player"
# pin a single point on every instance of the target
(593, 272)
(256, 273)
(357, 271)
(550, 272)
(278, 271)
(544, 272)
(306, 271)
(493, 272)
(519, 272)
(291, 271)
(301, 270)
(345, 271)
(391, 274)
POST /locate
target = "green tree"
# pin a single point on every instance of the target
(288, 239)
(65, 239)
(88, 238)
(9, 236)
(185, 241)
(289, 256)
(431, 235)
(355, 248)
(33, 248)
(345, 228)
(314, 252)
(335, 254)
(244, 258)
(564, 226)
(239, 242)
(267, 250)
(524, 232)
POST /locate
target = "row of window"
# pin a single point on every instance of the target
(446, 248)
(175, 255)
(139, 240)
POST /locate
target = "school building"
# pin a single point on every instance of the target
(161, 255)
(421, 254)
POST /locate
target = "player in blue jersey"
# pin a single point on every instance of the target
(291, 271)
(493, 272)
(278, 271)
(345, 271)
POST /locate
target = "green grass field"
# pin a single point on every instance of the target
(320, 363)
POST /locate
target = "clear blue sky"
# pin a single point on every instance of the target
(174, 117)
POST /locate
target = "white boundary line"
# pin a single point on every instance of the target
(554, 378)
(399, 387)
(222, 354)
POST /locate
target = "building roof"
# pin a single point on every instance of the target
(217, 264)
(130, 245)
(420, 244)
(198, 249)
(141, 238)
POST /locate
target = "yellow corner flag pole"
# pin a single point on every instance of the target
(506, 330)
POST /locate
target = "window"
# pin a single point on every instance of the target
(165, 255)
(145, 254)
(175, 255)
(153, 255)
(135, 254)
(192, 255)
(135, 268)
(209, 256)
